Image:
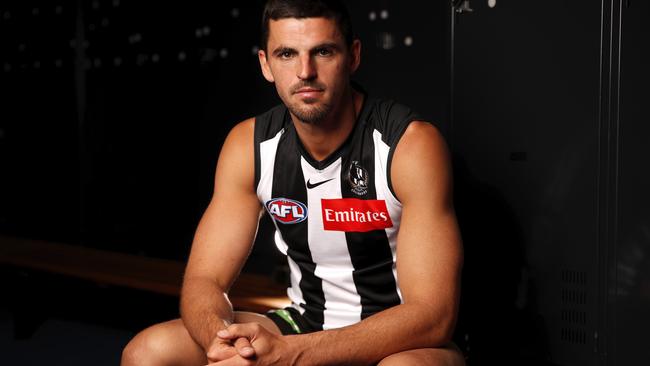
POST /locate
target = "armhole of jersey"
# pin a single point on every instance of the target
(256, 146)
(393, 146)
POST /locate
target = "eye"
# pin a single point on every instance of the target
(286, 54)
(324, 52)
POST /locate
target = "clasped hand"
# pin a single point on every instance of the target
(248, 344)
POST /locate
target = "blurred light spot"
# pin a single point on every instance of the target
(385, 41)
(58, 63)
(116, 3)
(97, 63)
(36, 11)
(135, 38)
(208, 55)
(255, 50)
(21, 47)
(95, 4)
(105, 22)
(155, 57)
(206, 30)
(408, 41)
(141, 59)
(384, 14)
(234, 13)
(223, 53)
(372, 16)
(7, 67)
(492, 3)
(37, 64)
(58, 10)
(117, 61)
(6, 15)
(182, 56)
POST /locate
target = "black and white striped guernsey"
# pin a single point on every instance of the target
(337, 219)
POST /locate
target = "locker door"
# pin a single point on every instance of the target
(631, 280)
(525, 133)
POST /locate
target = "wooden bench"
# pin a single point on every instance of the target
(249, 293)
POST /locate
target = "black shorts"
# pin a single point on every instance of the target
(290, 321)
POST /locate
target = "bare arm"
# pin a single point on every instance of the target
(429, 259)
(223, 239)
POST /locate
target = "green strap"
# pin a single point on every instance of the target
(287, 318)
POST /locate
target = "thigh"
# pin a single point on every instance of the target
(246, 317)
(445, 356)
(167, 343)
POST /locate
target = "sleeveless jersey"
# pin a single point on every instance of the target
(336, 220)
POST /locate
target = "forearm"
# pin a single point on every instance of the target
(204, 308)
(403, 327)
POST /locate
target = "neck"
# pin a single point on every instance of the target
(322, 139)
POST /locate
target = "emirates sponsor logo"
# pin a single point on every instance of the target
(355, 215)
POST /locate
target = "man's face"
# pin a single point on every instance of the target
(310, 64)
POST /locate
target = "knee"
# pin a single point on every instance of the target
(428, 356)
(146, 348)
(403, 360)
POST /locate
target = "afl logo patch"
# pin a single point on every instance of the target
(286, 211)
(358, 179)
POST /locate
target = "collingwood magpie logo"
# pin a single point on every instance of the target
(358, 178)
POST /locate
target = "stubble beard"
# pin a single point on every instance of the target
(312, 113)
(309, 110)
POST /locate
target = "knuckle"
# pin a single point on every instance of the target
(233, 328)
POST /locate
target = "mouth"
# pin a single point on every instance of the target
(309, 95)
(308, 90)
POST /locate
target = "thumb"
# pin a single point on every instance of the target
(242, 330)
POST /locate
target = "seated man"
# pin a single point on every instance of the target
(359, 190)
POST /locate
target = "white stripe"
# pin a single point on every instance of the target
(329, 250)
(294, 292)
(268, 150)
(384, 193)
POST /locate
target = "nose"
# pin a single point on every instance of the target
(306, 69)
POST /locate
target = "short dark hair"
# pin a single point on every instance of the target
(331, 9)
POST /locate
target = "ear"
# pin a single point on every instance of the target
(355, 55)
(264, 65)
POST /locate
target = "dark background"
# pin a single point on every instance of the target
(112, 114)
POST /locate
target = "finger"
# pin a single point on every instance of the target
(233, 361)
(221, 351)
(244, 347)
(247, 330)
(225, 334)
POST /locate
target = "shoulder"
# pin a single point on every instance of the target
(422, 155)
(390, 118)
(269, 123)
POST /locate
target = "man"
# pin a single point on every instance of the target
(360, 193)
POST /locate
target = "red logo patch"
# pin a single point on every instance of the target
(353, 214)
(287, 211)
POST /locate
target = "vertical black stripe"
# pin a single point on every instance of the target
(257, 140)
(289, 182)
(370, 252)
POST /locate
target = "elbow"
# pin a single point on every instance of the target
(447, 329)
(441, 327)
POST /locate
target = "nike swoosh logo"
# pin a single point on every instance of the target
(310, 185)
